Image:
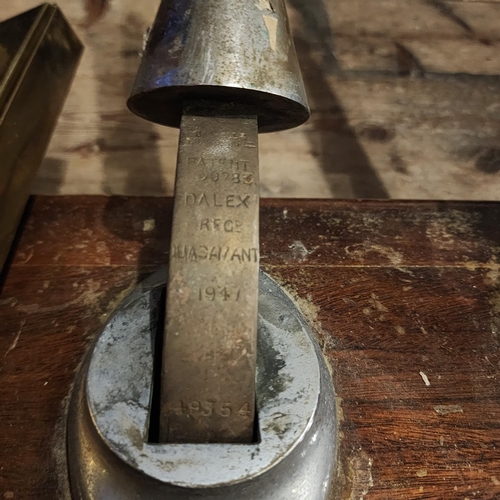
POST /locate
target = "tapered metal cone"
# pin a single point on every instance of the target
(235, 51)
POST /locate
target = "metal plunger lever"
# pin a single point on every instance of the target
(221, 70)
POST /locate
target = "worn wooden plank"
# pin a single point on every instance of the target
(98, 231)
(391, 118)
(371, 35)
(120, 231)
(416, 294)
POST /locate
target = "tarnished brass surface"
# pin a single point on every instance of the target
(39, 54)
(208, 374)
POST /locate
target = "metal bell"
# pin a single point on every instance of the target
(240, 52)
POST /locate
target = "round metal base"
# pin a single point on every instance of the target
(110, 457)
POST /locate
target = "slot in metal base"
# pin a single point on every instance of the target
(109, 457)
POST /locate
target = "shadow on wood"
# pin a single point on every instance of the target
(345, 164)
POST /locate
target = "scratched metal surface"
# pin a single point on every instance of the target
(210, 338)
(295, 454)
(220, 49)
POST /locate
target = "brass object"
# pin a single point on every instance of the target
(39, 54)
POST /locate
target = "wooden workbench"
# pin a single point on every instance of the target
(404, 299)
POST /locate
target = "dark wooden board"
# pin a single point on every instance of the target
(393, 290)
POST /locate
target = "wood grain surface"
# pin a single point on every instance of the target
(404, 94)
(403, 296)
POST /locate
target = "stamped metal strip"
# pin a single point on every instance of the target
(209, 351)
